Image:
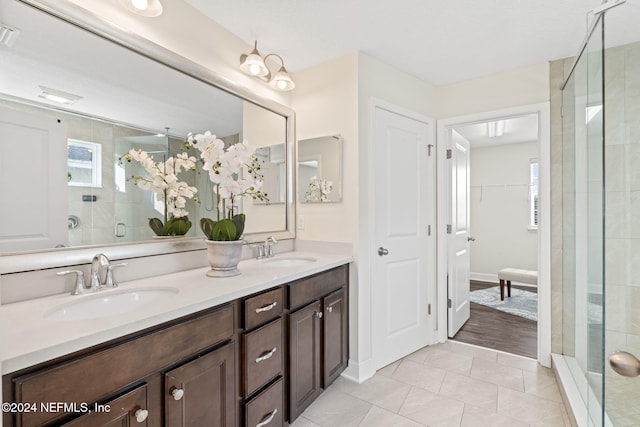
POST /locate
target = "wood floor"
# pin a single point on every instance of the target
(498, 330)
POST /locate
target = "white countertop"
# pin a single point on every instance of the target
(28, 338)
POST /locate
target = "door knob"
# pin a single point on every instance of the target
(625, 364)
(383, 251)
(471, 239)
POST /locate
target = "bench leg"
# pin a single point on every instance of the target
(509, 288)
(501, 290)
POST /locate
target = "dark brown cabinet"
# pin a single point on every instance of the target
(256, 361)
(202, 392)
(318, 336)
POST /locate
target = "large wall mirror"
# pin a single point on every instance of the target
(73, 101)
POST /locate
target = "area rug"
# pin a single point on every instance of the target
(522, 303)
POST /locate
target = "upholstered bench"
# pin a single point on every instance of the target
(517, 275)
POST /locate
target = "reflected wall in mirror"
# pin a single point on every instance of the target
(63, 151)
(320, 169)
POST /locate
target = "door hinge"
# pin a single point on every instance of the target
(449, 153)
(429, 230)
(449, 229)
(429, 147)
(429, 309)
(449, 304)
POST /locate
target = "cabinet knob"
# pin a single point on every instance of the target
(177, 393)
(266, 420)
(141, 415)
(330, 309)
(319, 314)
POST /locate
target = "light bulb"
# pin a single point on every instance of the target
(254, 69)
(140, 4)
(282, 84)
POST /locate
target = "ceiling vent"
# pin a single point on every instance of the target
(8, 35)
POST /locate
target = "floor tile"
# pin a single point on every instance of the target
(381, 391)
(524, 363)
(303, 422)
(542, 386)
(529, 408)
(378, 417)
(495, 373)
(476, 417)
(419, 375)
(388, 370)
(334, 408)
(432, 409)
(471, 350)
(449, 361)
(470, 390)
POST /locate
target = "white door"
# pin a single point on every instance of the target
(402, 268)
(459, 261)
(33, 180)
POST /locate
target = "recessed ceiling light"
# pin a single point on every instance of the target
(148, 8)
(8, 35)
(58, 96)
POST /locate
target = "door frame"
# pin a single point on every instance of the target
(544, 229)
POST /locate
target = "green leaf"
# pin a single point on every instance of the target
(238, 221)
(177, 226)
(206, 225)
(157, 226)
(224, 230)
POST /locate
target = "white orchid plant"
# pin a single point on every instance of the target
(162, 179)
(235, 174)
(319, 190)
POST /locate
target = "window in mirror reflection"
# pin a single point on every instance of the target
(84, 160)
(320, 169)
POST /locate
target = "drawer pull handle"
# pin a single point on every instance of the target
(266, 355)
(267, 307)
(177, 393)
(267, 419)
(141, 415)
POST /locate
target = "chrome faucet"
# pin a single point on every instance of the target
(99, 263)
(268, 246)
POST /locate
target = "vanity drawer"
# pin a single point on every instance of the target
(261, 308)
(98, 375)
(130, 409)
(262, 354)
(303, 291)
(265, 410)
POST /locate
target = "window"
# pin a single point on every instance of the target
(533, 195)
(84, 163)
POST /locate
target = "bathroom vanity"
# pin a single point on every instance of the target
(253, 350)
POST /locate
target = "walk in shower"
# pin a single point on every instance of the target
(601, 220)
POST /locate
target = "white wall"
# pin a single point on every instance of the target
(500, 215)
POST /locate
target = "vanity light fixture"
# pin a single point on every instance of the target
(148, 8)
(255, 65)
(495, 129)
(58, 96)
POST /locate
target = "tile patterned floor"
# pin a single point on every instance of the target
(451, 384)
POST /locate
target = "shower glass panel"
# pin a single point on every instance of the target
(622, 195)
(583, 227)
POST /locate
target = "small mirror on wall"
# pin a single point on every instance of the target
(320, 169)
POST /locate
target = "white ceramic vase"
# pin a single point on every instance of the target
(223, 258)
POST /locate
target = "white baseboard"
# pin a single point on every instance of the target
(359, 372)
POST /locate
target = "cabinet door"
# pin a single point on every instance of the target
(304, 360)
(203, 392)
(127, 410)
(335, 336)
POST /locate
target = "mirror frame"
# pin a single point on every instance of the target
(91, 22)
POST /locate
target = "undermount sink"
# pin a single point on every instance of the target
(288, 261)
(108, 304)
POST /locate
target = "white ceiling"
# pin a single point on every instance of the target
(440, 42)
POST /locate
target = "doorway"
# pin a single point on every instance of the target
(506, 227)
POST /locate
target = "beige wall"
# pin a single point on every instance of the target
(513, 88)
